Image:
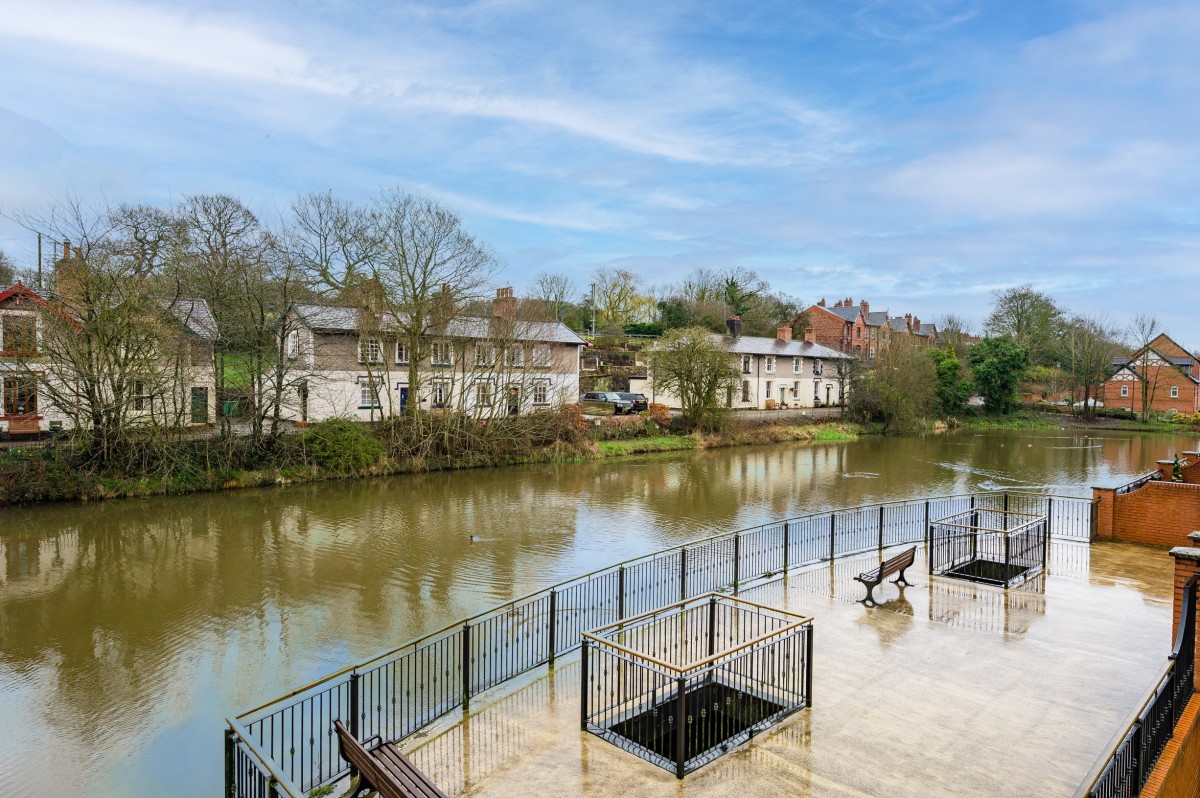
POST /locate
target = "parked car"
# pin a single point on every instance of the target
(598, 403)
(639, 400)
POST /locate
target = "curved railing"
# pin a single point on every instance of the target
(286, 747)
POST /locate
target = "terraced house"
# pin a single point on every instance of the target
(357, 365)
(773, 372)
(166, 380)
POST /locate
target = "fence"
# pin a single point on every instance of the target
(683, 684)
(992, 546)
(286, 747)
(1123, 773)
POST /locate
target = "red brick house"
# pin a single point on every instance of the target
(842, 327)
(1168, 372)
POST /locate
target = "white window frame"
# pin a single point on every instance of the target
(746, 364)
(484, 393)
(541, 392)
(797, 365)
(770, 388)
(402, 353)
(293, 344)
(542, 356)
(514, 357)
(1174, 391)
(441, 353)
(439, 393)
(817, 367)
(769, 365)
(369, 393)
(1124, 390)
(485, 355)
(370, 350)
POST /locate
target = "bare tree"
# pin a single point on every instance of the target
(618, 295)
(8, 270)
(554, 290)
(1030, 318)
(1142, 331)
(1088, 348)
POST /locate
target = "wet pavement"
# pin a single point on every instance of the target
(948, 688)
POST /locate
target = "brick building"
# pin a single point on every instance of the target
(842, 327)
(1169, 374)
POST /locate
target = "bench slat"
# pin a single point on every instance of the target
(385, 769)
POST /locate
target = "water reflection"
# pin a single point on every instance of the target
(129, 629)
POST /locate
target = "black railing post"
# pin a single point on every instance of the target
(681, 726)
(737, 561)
(621, 593)
(832, 535)
(808, 666)
(466, 667)
(354, 727)
(1050, 516)
(552, 627)
(786, 541)
(881, 529)
(683, 573)
(712, 626)
(230, 750)
(1139, 752)
(583, 684)
(1006, 509)
(928, 531)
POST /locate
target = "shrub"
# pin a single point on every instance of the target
(660, 413)
(342, 446)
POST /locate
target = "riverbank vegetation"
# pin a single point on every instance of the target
(341, 449)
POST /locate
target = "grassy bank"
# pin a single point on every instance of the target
(1028, 419)
(348, 450)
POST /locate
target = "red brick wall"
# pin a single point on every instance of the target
(832, 331)
(1161, 380)
(1158, 513)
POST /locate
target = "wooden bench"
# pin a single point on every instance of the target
(890, 566)
(384, 769)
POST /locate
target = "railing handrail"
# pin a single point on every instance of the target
(1186, 615)
(457, 625)
(267, 763)
(1133, 485)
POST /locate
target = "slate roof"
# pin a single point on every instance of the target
(196, 316)
(846, 313)
(927, 329)
(755, 345)
(877, 318)
(898, 324)
(341, 319)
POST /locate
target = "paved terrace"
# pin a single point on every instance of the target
(953, 689)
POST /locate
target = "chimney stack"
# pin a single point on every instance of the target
(821, 304)
(784, 332)
(916, 324)
(866, 309)
(505, 305)
(734, 325)
(810, 335)
(66, 250)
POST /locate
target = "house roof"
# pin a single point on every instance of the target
(341, 319)
(846, 313)
(898, 324)
(927, 329)
(195, 315)
(877, 318)
(755, 345)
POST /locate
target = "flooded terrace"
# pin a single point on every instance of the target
(948, 688)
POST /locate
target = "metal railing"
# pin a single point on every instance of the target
(1123, 772)
(402, 690)
(1130, 487)
(683, 684)
(994, 546)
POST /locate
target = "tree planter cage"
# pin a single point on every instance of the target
(996, 547)
(681, 685)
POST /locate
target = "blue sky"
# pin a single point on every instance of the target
(918, 153)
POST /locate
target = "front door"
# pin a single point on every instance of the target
(514, 401)
(20, 405)
(303, 392)
(829, 395)
(200, 405)
(403, 399)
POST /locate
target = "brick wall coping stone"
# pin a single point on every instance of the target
(1194, 535)
(1185, 553)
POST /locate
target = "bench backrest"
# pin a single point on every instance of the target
(899, 562)
(358, 756)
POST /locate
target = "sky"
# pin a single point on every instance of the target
(920, 154)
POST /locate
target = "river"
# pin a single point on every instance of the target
(130, 629)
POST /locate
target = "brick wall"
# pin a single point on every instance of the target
(1158, 513)
(1161, 380)
(829, 330)
(1177, 772)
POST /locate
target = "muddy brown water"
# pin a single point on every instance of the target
(130, 629)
